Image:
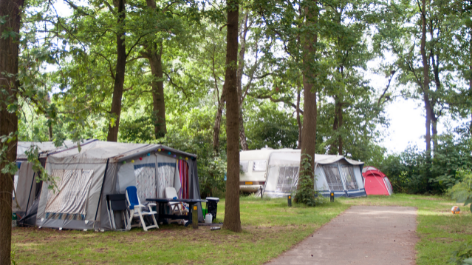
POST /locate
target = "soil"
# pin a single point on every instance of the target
(361, 235)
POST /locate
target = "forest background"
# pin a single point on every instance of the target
(171, 75)
(155, 71)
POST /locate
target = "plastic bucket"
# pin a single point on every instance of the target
(208, 218)
(204, 211)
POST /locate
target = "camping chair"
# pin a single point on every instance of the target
(117, 202)
(175, 207)
(136, 209)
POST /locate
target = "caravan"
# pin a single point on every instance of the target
(333, 173)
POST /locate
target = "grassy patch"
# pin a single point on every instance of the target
(269, 228)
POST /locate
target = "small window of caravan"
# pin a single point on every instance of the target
(259, 165)
(244, 166)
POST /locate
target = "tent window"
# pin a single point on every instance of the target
(166, 175)
(244, 166)
(69, 200)
(333, 178)
(349, 178)
(288, 179)
(260, 165)
(146, 181)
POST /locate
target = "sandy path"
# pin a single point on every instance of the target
(361, 235)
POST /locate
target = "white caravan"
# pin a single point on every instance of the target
(276, 171)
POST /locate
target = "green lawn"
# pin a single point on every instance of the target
(269, 228)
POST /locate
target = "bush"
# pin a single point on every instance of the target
(413, 171)
(463, 255)
(462, 190)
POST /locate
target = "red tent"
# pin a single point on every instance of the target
(375, 182)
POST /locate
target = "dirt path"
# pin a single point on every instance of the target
(361, 235)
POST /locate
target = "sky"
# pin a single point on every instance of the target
(407, 126)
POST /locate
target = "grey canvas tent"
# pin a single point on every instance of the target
(26, 187)
(333, 173)
(83, 179)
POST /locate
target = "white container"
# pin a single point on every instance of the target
(208, 218)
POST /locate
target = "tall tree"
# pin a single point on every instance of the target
(309, 42)
(120, 70)
(10, 16)
(232, 219)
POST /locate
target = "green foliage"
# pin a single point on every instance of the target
(13, 256)
(270, 126)
(192, 132)
(306, 193)
(411, 172)
(462, 190)
(463, 255)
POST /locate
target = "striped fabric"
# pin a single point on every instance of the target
(183, 174)
(69, 200)
(146, 181)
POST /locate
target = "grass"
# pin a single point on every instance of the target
(269, 228)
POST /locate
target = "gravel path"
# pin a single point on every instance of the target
(361, 235)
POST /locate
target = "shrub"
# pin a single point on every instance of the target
(462, 190)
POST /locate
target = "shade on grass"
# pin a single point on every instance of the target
(269, 228)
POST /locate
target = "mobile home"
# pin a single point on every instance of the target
(336, 174)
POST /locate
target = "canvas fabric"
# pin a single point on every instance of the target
(376, 183)
(333, 173)
(85, 207)
(25, 186)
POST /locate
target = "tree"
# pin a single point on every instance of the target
(120, 11)
(10, 20)
(424, 55)
(309, 42)
(232, 219)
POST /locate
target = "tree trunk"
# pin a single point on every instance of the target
(340, 125)
(425, 85)
(120, 72)
(232, 219)
(239, 77)
(217, 126)
(154, 55)
(158, 100)
(434, 130)
(219, 112)
(299, 122)
(242, 134)
(50, 131)
(10, 11)
(333, 148)
(308, 146)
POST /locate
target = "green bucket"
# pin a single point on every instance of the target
(204, 212)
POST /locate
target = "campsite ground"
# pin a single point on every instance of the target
(269, 228)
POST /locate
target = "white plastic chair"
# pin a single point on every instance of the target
(175, 207)
(136, 209)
